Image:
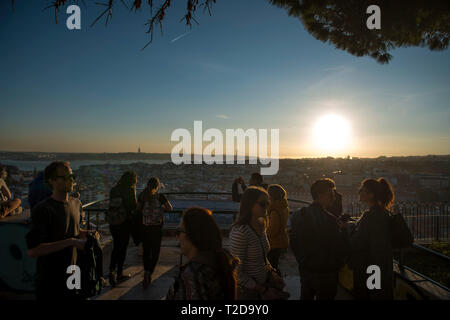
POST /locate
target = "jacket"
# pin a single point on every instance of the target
(278, 219)
(318, 244)
(371, 245)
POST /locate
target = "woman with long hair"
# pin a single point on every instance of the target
(371, 242)
(151, 205)
(210, 272)
(278, 218)
(122, 205)
(250, 244)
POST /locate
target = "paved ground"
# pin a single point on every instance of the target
(167, 269)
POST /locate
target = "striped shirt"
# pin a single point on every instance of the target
(246, 245)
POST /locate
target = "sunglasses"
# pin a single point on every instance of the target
(68, 176)
(179, 231)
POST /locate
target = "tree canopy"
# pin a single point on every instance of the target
(342, 23)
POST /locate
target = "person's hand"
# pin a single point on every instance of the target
(96, 235)
(276, 280)
(85, 233)
(75, 195)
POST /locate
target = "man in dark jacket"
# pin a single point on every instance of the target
(256, 179)
(319, 244)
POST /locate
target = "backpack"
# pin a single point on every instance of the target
(152, 212)
(401, 236)
(116, 213)
(91, 263)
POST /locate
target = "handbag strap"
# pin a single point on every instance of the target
(261, 244)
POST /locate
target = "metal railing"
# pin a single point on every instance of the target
(427, 221)
(88, 208)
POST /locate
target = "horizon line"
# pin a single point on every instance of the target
(235, 156)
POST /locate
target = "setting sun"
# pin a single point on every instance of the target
(331, 133)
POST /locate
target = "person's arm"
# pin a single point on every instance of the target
(44, 249)
(236, 196)
(284, 218)
(239, 245)
(4, 189)
(167, 206)
(274, 225)
(243, 185)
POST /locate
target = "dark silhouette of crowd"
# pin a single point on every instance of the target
(322, 239)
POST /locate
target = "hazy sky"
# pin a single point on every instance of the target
(249, 65)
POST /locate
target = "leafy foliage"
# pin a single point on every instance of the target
(342, 23)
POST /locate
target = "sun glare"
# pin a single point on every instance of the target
(332, 133)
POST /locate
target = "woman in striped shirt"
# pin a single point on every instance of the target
(249, 243)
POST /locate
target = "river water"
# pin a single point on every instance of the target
(25, 165)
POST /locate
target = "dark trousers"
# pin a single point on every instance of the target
(247, 294)
(151, 243)
(318, 286)
(274, 258)
(55, 288)
(121, 236)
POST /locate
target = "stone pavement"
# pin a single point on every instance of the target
(167, 269)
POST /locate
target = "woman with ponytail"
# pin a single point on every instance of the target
(371, 241)
(151, 205)
(210, 273)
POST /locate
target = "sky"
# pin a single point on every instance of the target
(249, 65)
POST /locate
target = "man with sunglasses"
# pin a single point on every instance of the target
(55, 234)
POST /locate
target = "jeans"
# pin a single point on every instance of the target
(151, 243)
(121, 236)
